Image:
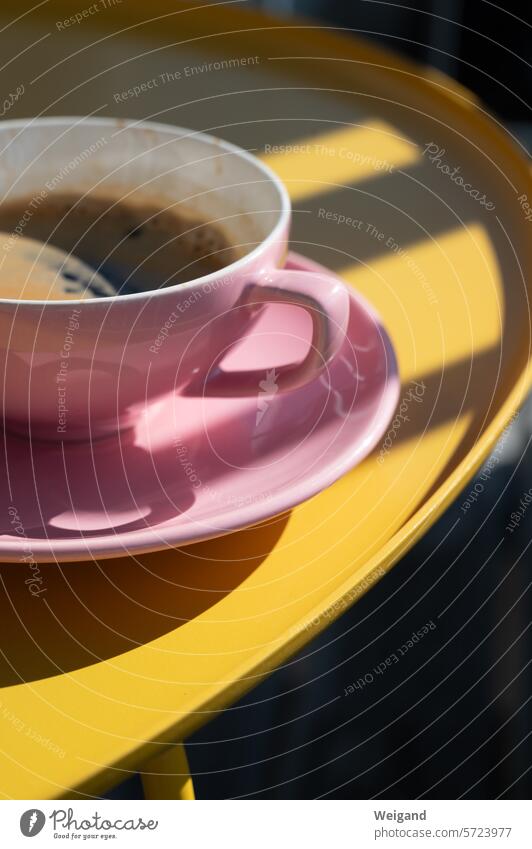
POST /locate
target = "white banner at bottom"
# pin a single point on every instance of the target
(263, 824)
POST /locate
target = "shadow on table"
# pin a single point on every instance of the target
(95, 611)
(455, 390)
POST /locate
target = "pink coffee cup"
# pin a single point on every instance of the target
(83, 369)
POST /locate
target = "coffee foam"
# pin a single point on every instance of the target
(134, 245)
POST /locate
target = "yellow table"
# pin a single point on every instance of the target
(121, 659)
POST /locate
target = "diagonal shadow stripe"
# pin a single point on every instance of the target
(400, 205)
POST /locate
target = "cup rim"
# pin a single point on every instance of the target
(274, 235)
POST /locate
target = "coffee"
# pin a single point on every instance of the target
(136, 246)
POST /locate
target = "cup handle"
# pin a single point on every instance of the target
(323, 296)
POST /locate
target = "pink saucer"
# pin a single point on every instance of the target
(237, 462)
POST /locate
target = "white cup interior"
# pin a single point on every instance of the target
(202, 175)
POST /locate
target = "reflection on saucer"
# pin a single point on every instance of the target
(86, 520)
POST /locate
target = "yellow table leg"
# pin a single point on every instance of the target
(167, 776)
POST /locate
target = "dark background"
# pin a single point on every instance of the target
(484, 45)
(454, 718)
